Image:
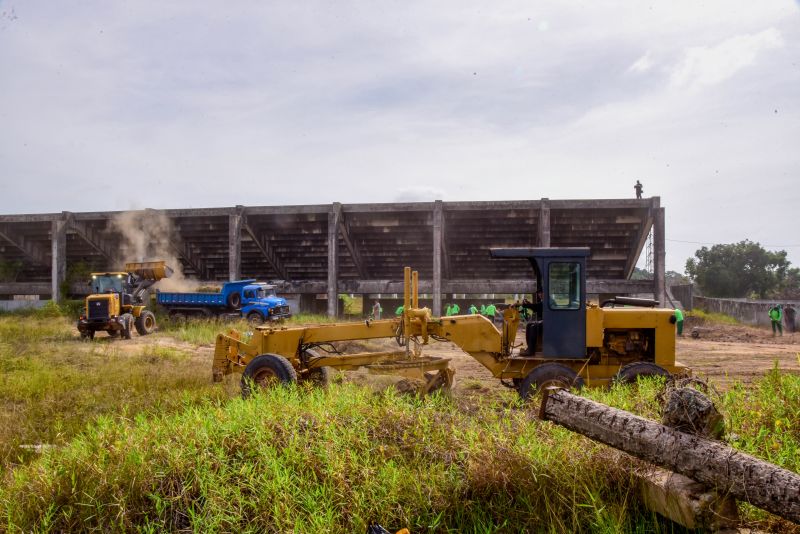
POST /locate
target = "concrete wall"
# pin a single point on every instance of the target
(11, 305)
(752, 312)
(684, 293)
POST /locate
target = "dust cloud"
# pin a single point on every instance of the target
(149, 236)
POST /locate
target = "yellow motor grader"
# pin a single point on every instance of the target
(116, 304)
(571, 343)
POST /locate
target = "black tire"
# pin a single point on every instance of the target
(319, 376)
(234, 300)
(630, 373)
(265, 371)
(255, 318)
(89, 334)
(145, 323)
(549, 374)
(127, 322)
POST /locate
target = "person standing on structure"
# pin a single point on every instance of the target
(376, 311)
(679, 321)
(473, 310)
(638, 188)
(775, 315)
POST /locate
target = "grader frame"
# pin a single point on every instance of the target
(291, 350)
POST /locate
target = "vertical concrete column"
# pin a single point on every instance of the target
(333, 259)
(59, 256)
(544, 223)
(438, 223)
(235, 244)
(659, 257)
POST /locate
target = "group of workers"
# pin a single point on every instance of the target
(452, 309)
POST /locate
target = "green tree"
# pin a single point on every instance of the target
(738, 270)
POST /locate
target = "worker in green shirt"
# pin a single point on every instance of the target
(483, 309)
(775, 315)
(452, 309)
(491, 310)
(399, 311)
(473, 310)
(679, 321)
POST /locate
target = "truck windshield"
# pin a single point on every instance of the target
(107, 282)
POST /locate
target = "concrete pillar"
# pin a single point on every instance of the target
(333, 260)
(438, 223)
(235, 245)
(544, 223)
(59, 243)
(659, 257)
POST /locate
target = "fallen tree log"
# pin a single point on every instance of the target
(716, 464)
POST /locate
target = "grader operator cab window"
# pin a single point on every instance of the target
(565, 286)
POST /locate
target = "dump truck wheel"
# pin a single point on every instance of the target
(255, 318)
(631, 372)
(87, 335)
(266, 371)
(145, 323)
(549, 374)
(234, 300)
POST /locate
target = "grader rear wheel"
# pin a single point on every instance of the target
(267, 370)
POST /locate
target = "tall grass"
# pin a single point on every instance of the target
(325, 461)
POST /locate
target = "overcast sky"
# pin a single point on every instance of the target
(118, 105)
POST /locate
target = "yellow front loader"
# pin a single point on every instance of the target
(570, 343)
(116, 305)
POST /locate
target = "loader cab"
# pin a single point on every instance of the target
(561, 276)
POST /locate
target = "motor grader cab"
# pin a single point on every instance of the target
(577, 344)
(116, 304)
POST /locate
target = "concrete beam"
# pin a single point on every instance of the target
(235, 245)
(659, 257)
(266, 250)
(30, 249)
(334, 216)
(594, 286)
(436, 289)
(90, 235)
(544, 223)
(355, 255)
(59, 256)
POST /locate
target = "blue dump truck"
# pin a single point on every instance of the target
(242, 298)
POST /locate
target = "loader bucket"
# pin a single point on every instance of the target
(149, 270)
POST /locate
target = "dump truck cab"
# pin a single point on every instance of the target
(116, 303)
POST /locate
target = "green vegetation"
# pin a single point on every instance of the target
(108, 435)
(711, 317)
(743, 269)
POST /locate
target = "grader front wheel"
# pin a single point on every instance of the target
(267, 370)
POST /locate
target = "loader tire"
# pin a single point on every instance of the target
(89, 334)
(235, 300)
(319, 376)
(127, 325)
(145, 323)
(267, 370)
(549, 374)
(630, 373)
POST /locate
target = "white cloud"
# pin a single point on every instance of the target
(643, 64)
(705, 65)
